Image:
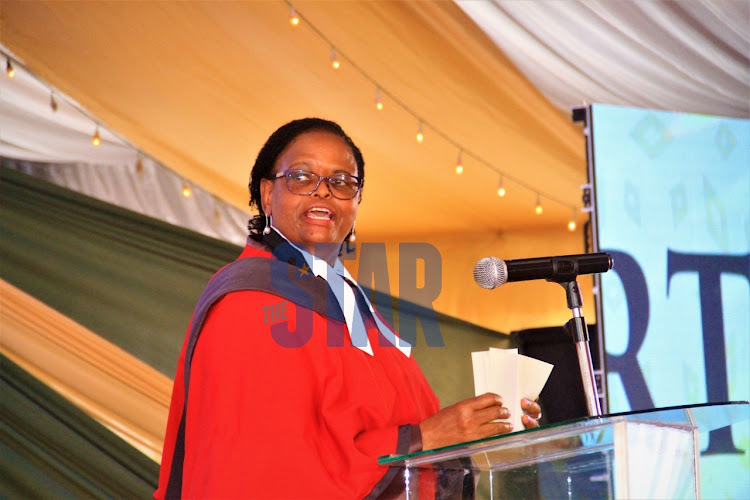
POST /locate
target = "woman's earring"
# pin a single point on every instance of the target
(267, 229)
(352, 236)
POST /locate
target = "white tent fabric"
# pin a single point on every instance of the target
(56, 146)
(690, 56)
(28, 131)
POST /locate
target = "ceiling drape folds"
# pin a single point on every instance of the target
(681, 56)
(49, 448)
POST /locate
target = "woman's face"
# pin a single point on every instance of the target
(319, 217)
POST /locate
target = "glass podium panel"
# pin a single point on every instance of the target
(646, 454)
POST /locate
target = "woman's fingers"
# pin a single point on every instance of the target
(531, 408)
(491, 413)
(529, 423)
(486, 400)
(532, 413)
(467, 420)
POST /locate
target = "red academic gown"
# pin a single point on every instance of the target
(267, 421)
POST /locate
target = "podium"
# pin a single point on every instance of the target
(645, 454)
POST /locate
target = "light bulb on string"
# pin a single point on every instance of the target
(186, 191)
(96, 139)
(139, 164)
(538, 208)
(572, 222)
(293, 17)
(460, 163)
(378, 100)
(295, 20)
(335, 64)
(501, 187)
(9, 69)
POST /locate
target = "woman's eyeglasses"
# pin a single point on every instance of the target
(304, 183)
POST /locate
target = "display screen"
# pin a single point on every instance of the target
(671, 203)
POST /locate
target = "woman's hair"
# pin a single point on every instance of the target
(274, 146)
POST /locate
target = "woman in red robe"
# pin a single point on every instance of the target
(296, 385)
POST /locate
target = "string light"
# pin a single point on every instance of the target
(335, 64)
(501, 191)
(295, 20)
(501, 187)
(293, 17)
(572, 223)
(139, 164)
(378, 100)
(96, 139)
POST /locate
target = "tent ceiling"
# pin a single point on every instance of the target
(200, 86)
(690, 56)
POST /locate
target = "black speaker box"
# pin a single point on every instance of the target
(562, 397)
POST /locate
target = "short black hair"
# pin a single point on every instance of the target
(274, 146)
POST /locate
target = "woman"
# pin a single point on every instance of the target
(296, 386)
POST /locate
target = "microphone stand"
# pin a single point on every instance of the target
(576, 328)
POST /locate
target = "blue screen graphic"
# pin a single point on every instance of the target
(672, 205)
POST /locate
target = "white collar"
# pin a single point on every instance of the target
(320, 268)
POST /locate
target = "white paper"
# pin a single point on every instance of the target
(480, 362)
(510, 375)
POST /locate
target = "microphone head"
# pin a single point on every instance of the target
(490, 273)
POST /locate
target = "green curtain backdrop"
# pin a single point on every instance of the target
(132, 279)
(51, 449)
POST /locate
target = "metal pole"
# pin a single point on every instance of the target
(576, 328)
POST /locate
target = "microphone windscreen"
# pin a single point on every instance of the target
(490, 272)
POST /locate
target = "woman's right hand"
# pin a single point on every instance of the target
(466, 420)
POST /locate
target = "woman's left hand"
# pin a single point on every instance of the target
(532, 413)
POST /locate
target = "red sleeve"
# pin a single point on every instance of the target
(269, 421)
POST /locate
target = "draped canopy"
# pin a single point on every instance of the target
(198, 86)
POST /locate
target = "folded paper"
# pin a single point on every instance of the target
(510, 375)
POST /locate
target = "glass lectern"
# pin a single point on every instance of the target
(645, 454)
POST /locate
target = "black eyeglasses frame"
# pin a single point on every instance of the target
(328, 179)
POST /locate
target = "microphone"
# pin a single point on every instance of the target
(491, 272)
